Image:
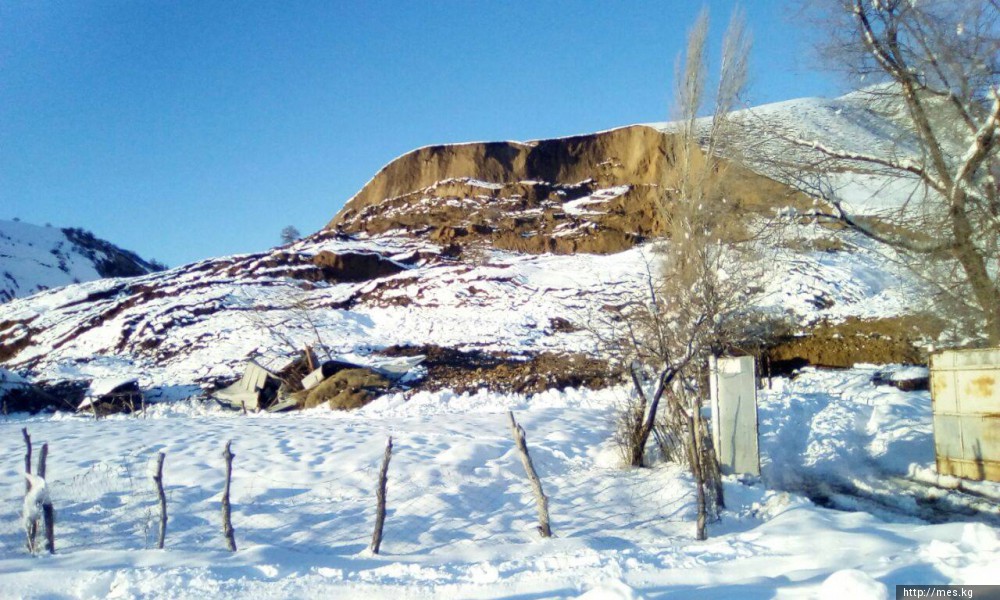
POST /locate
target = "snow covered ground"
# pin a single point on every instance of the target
(461, 518)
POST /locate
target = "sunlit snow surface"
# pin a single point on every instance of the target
(34, 258)
(461, 518)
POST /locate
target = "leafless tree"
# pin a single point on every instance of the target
(293, 313)
(935, 66)
(700, 288)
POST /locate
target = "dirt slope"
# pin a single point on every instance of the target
(591, 193)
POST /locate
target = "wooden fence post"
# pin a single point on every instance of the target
(158, 478)
(43, 457)
(227, 523)
(383, 477)
(48, 514)
(27, 458)
(31, 528)
(536, 484)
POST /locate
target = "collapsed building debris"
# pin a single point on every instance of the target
(111, 396)
(18, 394)
(13, 385)
(257, 388)
(340, 383)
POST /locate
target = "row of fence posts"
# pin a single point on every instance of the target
(38, 503)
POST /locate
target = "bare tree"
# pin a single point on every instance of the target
(294, 313)
(699, 295)
(939, 66)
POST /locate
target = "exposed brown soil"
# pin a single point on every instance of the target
(842, 345)
(354, 266)
(14, 337)
(345, 390)
(437, 192)
(470, 370)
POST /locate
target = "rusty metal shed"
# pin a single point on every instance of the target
(965, 393)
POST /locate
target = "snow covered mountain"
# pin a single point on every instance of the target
(496, 247)
(34, 258)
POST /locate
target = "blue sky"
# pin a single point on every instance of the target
(189, 129)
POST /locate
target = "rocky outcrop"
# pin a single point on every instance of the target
(110, 260)
(596, 193)
(355, 266)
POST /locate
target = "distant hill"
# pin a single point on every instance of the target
(35, 258)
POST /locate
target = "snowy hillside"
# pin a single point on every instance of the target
(865, 122)
(34, 258)
(199, 323)
(463, 246)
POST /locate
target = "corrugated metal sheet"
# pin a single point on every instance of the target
(965, 391)
(733, 384)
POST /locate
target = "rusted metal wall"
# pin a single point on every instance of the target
(733, 383)
(965, 392)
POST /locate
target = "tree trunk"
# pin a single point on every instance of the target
(983, 288)
(712, 471)
(696, 471)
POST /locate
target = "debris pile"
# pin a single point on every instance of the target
(110, 396)
(305, 383)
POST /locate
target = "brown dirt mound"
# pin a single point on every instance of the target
(354, 266)
(470, 370)
(439, 192)
(842, 345)
(345, 390)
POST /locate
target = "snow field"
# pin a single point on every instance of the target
(461, 517)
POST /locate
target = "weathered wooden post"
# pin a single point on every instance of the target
(383, 477)
(43, 457)
(27, 458)
(158, 478)
(36, 500)
(31, 529)
(227, 523)
(48, 513)
(536, 485)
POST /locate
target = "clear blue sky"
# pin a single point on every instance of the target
(189, 129)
